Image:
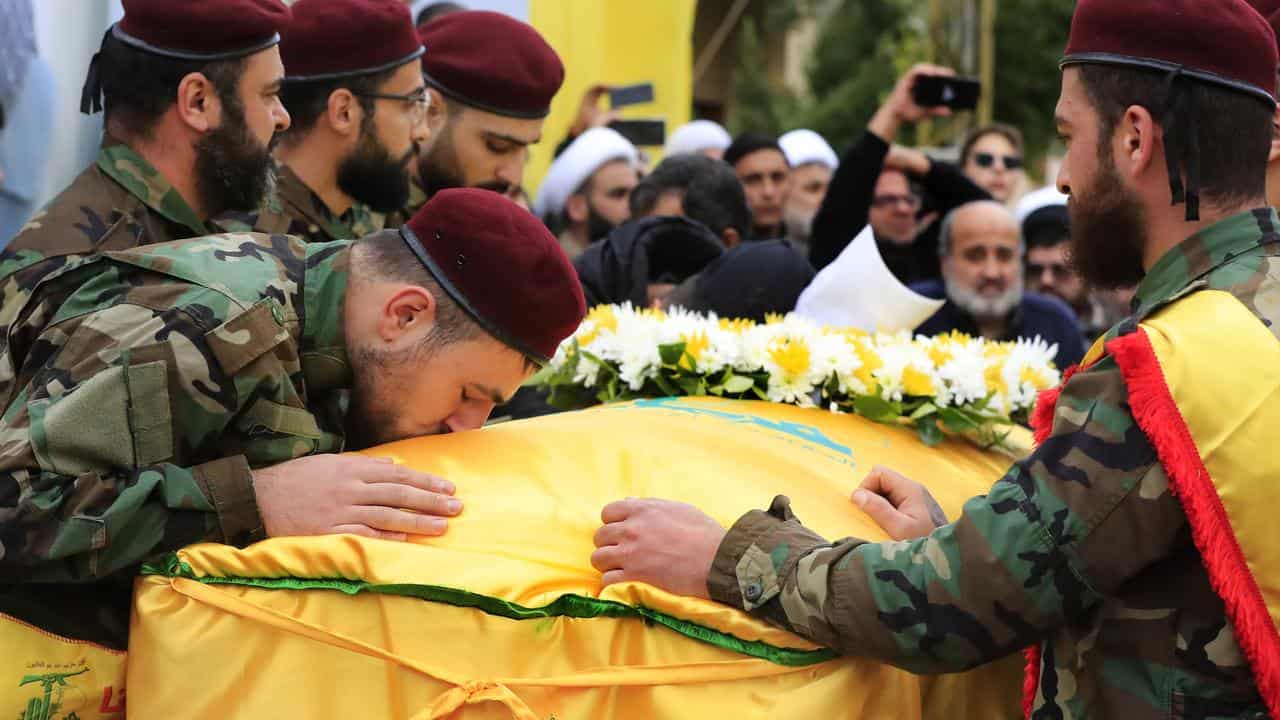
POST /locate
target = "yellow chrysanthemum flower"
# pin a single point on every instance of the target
(917, 383)
(791, 355)
(772, 318)
(694, 346)
(994, 376)
(601, 317)
(940, 354)
(1036, 377)
(737, 325)
(870, 360)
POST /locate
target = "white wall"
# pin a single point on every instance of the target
(68, 33)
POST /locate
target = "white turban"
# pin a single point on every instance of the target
(695, 137)
(592, 150)
(805, 147)
(1038, 200)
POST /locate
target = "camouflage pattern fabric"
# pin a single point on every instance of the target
(119, 202)
(295, 209)
(1081, 547)
(141, 387)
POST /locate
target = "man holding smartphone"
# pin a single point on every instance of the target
(876, 184)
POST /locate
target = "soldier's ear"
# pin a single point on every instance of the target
(408, 313)
(344, 112)
(197, 103)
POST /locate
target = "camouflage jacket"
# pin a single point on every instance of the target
(294, 209)
(119, 202)
(140, 389)
(1081, 547)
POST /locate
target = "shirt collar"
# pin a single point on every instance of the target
(145, 182)
(1197, 256)
(323, 349)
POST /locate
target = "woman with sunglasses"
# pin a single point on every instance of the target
(992, 158)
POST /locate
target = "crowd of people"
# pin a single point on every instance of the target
(360, 262)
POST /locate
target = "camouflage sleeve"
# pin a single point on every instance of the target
(106, 406)
(1088, 510)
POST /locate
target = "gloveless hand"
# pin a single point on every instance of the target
(900, 506)
(667, 544)
(333, 494)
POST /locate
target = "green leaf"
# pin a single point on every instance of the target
(738, 384)
(665, 385)
(691, 385)
(759, 393)
(876, 408)
(927, 408)
(929, 432)
(672, 353)
(957, 421)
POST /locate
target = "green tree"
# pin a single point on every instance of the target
(1030, 37)
(862, 47)
(757, 105)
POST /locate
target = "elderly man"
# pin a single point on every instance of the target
(358, 111)
(192, 102)
(765, 174)
(1136, 548)
(587, 189)
(981, 248)
(813, 162)
(222, 376)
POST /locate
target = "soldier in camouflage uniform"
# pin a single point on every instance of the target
(1082, 548)
(189, 118)
(358, 111)
(491, 80)
(198, 390)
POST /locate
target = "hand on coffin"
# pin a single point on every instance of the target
(666, 544)
(900, 506)
(335, 494)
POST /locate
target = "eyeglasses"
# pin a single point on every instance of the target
(986, 160)
(909, 201)
(418, 102)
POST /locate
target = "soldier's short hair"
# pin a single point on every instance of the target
(385, 256)
(1235, 128)
(139, 87)
(307, 100)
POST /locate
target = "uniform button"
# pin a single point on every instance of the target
(753, 591)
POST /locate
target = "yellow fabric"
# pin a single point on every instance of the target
(1232, 416)
(45, 677)
(615, 43)
(534, 491)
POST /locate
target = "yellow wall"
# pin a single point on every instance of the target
(615, 42)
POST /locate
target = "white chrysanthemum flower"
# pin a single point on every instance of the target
(906, 370)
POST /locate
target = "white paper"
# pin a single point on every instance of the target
(859, 291)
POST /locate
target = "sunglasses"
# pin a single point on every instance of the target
(986, 160)
(910, 201)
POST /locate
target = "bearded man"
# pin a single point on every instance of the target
(189, 120)
(1136, 548)
(491, 80)
(981, 249)
(358, 111)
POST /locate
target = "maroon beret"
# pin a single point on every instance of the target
(501, 265)
(339, 38)
(1269, 9)
(205, 30)
(1220, 42)
(492, 62)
